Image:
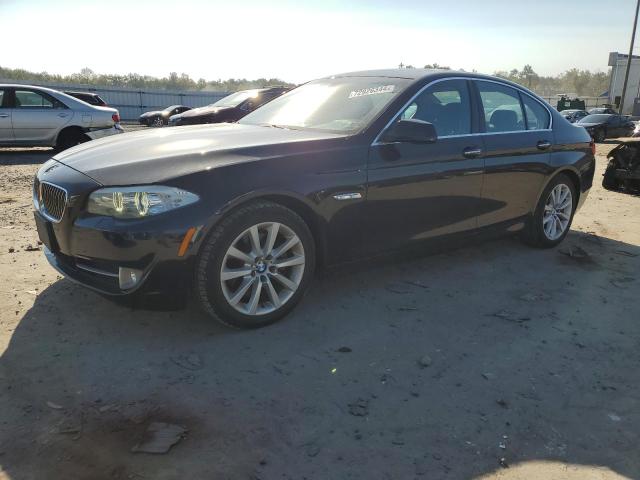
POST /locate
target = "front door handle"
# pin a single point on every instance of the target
(543, 144)
(62, 115)
(472, 152)
(4, 115)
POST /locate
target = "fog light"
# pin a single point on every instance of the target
(128, 277)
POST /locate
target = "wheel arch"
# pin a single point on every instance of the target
(69, 129)
(298, 204)
(570, 172)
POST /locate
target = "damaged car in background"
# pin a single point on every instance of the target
(37, 116)
(623, 171)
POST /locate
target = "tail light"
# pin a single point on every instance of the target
(116, 118)
(593, 147)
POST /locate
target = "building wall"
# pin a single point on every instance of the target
(618, 63)
(131, 103)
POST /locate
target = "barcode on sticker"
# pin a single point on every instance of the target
(372, 91)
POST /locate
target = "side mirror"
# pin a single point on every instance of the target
(411, 131)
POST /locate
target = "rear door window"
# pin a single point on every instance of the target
(29, 99)
(502, 108)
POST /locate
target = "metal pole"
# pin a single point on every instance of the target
(626, 74)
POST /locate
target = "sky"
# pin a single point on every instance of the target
(300, 40)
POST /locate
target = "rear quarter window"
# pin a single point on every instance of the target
(538, 117)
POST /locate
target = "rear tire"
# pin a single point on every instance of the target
(609, 181)
(246, 275)
(552, 219)
(599, 136)
(71, 138)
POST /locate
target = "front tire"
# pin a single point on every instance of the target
(157, 122)
(552, 218)
(255, 266)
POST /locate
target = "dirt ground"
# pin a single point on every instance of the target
(496, 361)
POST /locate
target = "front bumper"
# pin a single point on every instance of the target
(97, 250)
(118, 259)
(105, 132)
(161, 277)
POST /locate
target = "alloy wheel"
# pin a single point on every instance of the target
(557, 211)
(157, 122)
(262, 268)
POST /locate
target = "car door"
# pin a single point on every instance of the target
(517, 144)
(37, 117)
(6, 129)
(417, 191)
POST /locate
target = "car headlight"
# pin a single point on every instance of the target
(137, 202)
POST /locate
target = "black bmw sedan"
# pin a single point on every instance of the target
(228, 109)
(241, 214)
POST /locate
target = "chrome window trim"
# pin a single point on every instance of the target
(97, 271)
(43, 211)
(377, 141)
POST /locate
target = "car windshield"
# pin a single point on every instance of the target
(595, 118)
(168, 109)
(568, 112)
(340, 105)
(236, 99)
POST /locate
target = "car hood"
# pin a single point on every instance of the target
(154, 156)
(196, 112)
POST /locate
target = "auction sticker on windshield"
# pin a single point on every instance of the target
(372, 91)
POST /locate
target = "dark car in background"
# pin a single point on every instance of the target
(603, 125)
(230, 108)
(89, 97)
(240, 214)
(158, 118)
(573, 115)
(598, 110)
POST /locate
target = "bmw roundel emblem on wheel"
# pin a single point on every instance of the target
(237, 216)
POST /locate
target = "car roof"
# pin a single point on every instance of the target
(35, 87)
(420, 74)
(407, 73)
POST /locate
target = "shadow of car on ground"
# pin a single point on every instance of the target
(436, 367)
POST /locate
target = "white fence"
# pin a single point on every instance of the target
(131, 103)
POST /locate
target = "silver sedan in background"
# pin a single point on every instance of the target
(38, 116)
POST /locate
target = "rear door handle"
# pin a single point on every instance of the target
(472, 152)
(4, 115)
(62, 115)
(543, 144)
